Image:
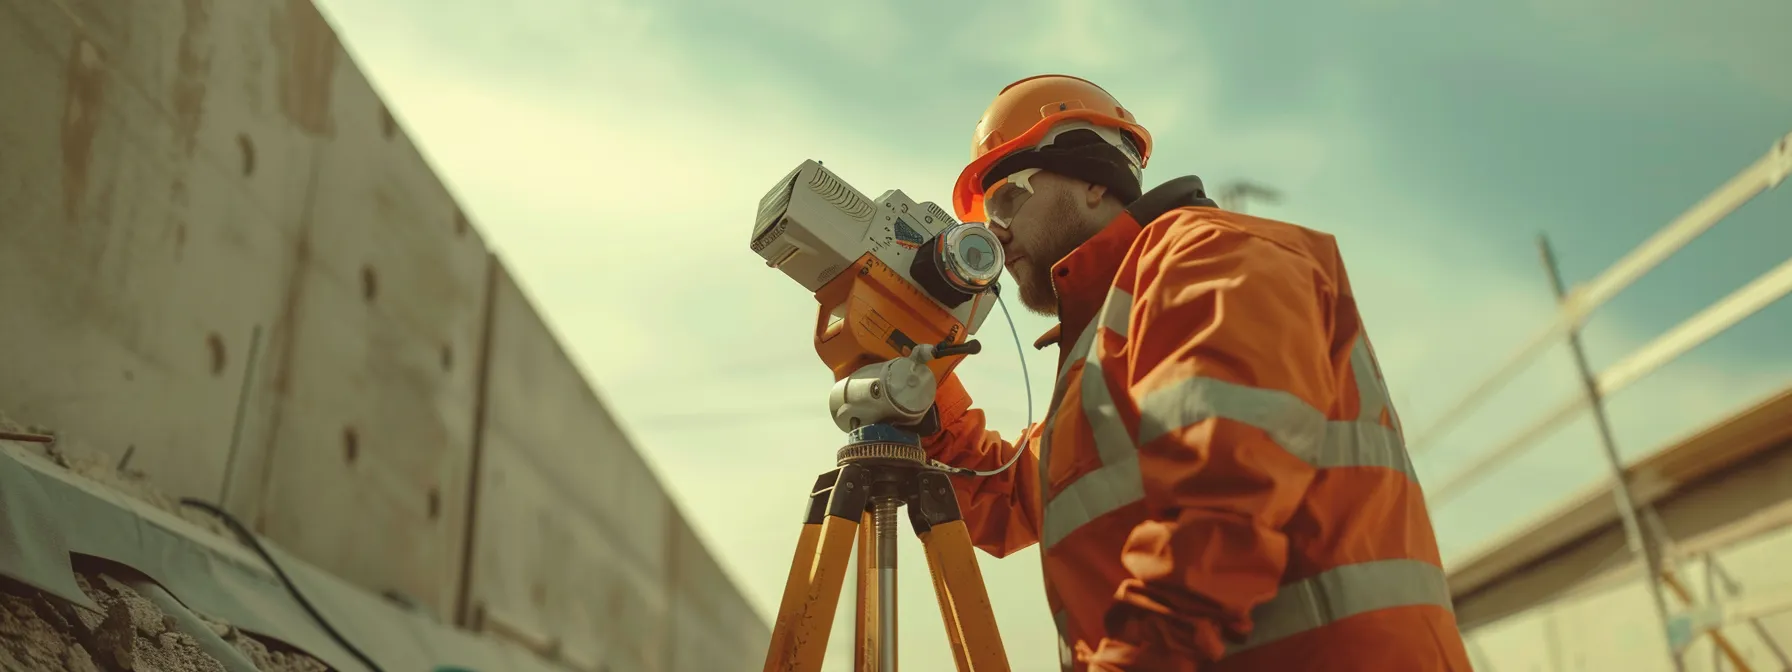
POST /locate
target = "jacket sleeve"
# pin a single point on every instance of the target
(1229, 351)
(1000, 511)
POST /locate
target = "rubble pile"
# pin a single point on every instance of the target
(269, 659)
(132, 634)
(38, 632)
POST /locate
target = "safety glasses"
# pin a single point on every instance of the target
(1005, 199)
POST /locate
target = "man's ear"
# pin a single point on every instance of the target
(1092, 195)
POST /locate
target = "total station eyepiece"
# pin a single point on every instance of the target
(958, 264)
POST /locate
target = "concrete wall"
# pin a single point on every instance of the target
(175, 174)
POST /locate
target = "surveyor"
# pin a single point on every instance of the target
(1220, 481)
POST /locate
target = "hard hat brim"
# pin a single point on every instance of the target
(967, 192)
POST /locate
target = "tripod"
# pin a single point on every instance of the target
(880, 469)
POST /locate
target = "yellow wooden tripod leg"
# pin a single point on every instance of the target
(949, 550)
(866, 633)
(958, 581)
(948, 613)
(796, 583)
(818, 571)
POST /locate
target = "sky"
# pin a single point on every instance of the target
(613, 153)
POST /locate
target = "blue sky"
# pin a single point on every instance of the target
(604, 144)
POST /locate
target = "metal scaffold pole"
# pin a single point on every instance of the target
(1627, 510)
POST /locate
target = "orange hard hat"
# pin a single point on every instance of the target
(1023, 114)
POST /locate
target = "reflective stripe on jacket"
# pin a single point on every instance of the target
(1220, 475)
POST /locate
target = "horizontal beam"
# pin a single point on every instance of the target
(1713, 320)
(1705, 325)
(1762, 175)
(1700, 487)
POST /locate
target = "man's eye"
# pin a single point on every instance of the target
(1003, 198)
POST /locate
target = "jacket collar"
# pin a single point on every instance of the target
(1082, 278)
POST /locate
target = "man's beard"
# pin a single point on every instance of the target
(1056, 233)
(1035, 283)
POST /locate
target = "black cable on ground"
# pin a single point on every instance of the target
(253, 543)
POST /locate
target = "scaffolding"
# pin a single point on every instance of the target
(1646, 539)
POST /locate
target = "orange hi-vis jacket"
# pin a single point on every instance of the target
(1220, 481)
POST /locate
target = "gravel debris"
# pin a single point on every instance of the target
(268, 656)
(36, 635)
(40, 632)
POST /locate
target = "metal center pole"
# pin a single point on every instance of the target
(884, 519)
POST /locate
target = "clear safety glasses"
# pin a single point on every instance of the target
(1005, 199)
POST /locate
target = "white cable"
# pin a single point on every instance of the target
(1025, 378)
(1022, 351)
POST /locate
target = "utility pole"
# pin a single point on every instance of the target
(1233, 195)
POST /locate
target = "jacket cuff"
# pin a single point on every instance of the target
(1149, 627)
(953, 401)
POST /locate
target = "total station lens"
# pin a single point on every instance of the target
(978, 253)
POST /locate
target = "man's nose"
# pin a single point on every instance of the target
(1001, 232)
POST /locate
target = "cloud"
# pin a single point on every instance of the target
(1743, 37)
(862, 33)
(1079, 37)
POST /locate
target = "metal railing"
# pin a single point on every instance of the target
(1574, 307)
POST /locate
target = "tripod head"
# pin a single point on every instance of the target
(898, 392)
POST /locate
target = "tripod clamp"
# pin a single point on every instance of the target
(898, 392)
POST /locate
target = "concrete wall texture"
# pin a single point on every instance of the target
(176, 175)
